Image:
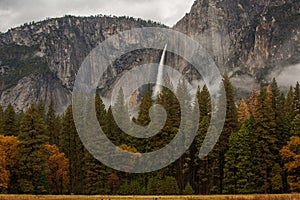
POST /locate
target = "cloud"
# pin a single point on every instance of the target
(16, 12)
(243, 82)
(287, 76)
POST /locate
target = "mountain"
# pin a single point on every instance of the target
(253, 40)
(39, 61)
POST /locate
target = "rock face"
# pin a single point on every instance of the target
(62, 44)
(249, 39)
(37, 86)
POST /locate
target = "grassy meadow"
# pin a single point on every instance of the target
(188, 197)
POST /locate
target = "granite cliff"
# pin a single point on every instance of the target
(250, 39)
(40, 60)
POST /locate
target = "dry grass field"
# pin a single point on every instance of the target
(189, 197)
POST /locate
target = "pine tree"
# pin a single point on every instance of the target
(170, 186)
(183, 95)
(278, 100)
(31, 165)
(265, 132)
(100, 111)
(41, 109)
(73, 149)
(289, 106)
(1, 121)
(19, 117)
(188, 190)
(295, 130)
(206, 168)
(168, 100)
(154, 186)
(285, 136)
(132, 187)
(230, 126)
(297, 99)
(53, 125)
(276, 178)
(9, 126)
(281, 134)
(276, 95)
(204, 102)
(143, 120)
(120, 107)
(162, 186)
(95, 173)
(241, 160)
(113, 132)
(146, 103)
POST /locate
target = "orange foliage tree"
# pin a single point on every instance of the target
(8, 150)
(253, 102)
(291, 153)
(58, 170)
(243, 112)
(4, 177)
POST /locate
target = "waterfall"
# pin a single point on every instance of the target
(157, 88)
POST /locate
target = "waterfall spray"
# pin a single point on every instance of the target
(157, 88)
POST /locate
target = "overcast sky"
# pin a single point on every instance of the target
(16, 12)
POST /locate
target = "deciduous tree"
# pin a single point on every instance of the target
(291, 154)
(243, 112)
(58, 170)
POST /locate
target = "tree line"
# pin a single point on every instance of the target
(257, 152)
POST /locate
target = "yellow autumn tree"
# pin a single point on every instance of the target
(8, 150)
(4, 177)
(291, 154)
(118, 156)
(57, 173)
